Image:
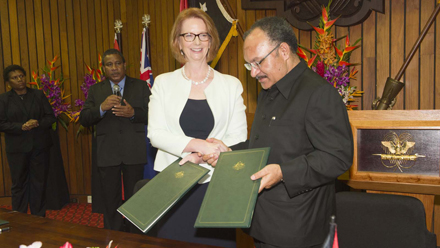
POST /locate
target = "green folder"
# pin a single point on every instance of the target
(230, 199)
(160, 194)
(3, 222)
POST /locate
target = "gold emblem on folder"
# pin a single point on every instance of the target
(238, 166)
(179, 174)
(398, 149)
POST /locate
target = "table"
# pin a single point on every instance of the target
(26, 228)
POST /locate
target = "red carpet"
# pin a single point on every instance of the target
(79, 213)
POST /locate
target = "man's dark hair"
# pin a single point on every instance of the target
(277, 29)
(113, 51)
(10, 69)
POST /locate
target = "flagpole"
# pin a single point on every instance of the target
(145, 21)
(118, 36)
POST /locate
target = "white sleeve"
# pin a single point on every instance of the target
(159, 132)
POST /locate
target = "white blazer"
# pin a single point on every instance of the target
(168, 98)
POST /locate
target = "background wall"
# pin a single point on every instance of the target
(33, 31)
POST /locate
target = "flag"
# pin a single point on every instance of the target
(116, 44)
(225, 24)
(332, 238)
(147, 75)
(183, 5)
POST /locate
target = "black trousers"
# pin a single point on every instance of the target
(111, 185)
(259, 244)
(178, 223)
(29, 176)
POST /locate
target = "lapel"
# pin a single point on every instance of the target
(29, 103)
(128, 88)
(106, 88)
(14, 98)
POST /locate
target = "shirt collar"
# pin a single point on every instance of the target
(285, 84)
(121, 84)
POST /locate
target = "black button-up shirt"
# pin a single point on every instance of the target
(304, 121)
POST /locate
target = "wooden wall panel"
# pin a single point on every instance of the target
(369, 60)
(5, 50)
(13, 28)
(382, 49)
(355, 33)
(426, 81)
(30, 31)
(411, 78)
(22, 36)
(397, 44)
(33, 31)
(46, 30)
(437, 70)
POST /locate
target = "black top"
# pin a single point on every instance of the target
(304, 121)
(196, 119)
(14, 112)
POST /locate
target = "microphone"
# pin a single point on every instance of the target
(116, 90)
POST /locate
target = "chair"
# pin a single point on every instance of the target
(367, 220)
(139, 184)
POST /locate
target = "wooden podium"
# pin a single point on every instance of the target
(398, 152)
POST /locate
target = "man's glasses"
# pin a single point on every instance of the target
(257, 64)
(21, 76)
(189, 37)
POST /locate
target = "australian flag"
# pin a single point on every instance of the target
(147, 75)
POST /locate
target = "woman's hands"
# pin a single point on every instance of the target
(30, 124)
(193, 157)
(208, 151)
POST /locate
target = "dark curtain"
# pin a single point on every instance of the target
(57, 191)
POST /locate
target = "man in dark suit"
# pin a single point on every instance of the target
(118, 107)
(26, 118)
(304, 121)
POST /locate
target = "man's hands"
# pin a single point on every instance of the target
(213, 157)
(209, 152)
(113, 103)
(30, 124)
(270, 175)
(123, 111)
(110, 102)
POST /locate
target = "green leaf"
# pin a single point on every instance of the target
(357, 41)
(305, 48)
(340, 38)
(46, 69)
(80, 130)
(62, 123)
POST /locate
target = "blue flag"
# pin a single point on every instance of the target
(147, 76)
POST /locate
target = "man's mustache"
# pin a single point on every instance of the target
(260, 77)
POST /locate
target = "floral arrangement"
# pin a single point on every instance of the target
(54, 91)
(39, 244)
(94, 75)
(331, 62)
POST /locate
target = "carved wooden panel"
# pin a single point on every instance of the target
(302, 12)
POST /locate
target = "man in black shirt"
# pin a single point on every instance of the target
(304, 121)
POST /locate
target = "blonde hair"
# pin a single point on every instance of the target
(177, 30)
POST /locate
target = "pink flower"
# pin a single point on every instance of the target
(67, 245)
(320, 68)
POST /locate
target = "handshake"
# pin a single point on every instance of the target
(206, 151)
